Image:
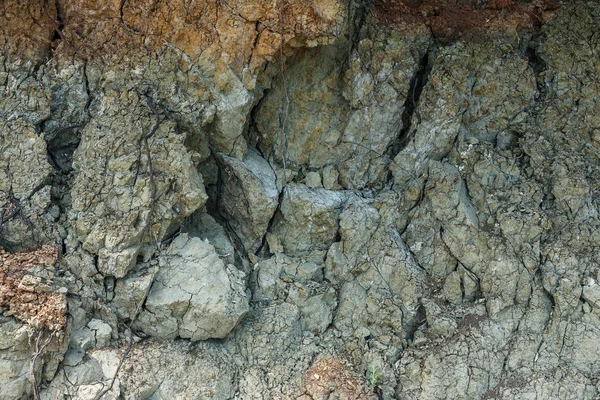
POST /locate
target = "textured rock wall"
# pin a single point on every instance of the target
(301, 199)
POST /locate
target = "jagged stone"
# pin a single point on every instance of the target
(330, 178)
(202, 225)
(317, 311)
(82, 339)
(313, 180)
(452, 288)
(74, 357)
(249, 197)
(102, 332)
(267, 274)
(194, 295)
(591, 294)
(131, 291)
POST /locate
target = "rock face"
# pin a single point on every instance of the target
(308, 219)
(300, 199)
(24, 197)
(134, 181)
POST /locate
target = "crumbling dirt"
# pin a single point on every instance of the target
(236, 33)
(25, 295)
(472, 20)
(332, 378)
(246, 34)
(31, 22)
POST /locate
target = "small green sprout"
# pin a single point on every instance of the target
(373, 375)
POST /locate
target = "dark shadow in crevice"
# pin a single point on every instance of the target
(61, 143)
(411, 103)
(539, 67)
(415, 323)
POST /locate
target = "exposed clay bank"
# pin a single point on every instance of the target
(299, 199)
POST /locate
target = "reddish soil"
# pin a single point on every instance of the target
(333, 378)
(452, 20)
(26, 296)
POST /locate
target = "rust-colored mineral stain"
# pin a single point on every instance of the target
(26, 28)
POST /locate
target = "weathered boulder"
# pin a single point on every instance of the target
(134, 181)
(195, 294)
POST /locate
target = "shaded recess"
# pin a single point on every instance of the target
(417, 83)
(62, 143)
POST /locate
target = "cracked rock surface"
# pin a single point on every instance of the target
(301, 199)
(195, 294)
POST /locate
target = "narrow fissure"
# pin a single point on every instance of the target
(356, 21)
(86, 83)
(415, 323)
(271, 222)
(121, 12)
(417, 83)
(59, 24)
(254, 141)
(192, 225)
(61, 144)
(538, 65)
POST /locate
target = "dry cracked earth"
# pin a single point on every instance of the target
(299, 199)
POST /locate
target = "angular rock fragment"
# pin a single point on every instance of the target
(130, 292)
(591, 293)
(205, 227)
(317, 311)
(249, 196)
(195, 294)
